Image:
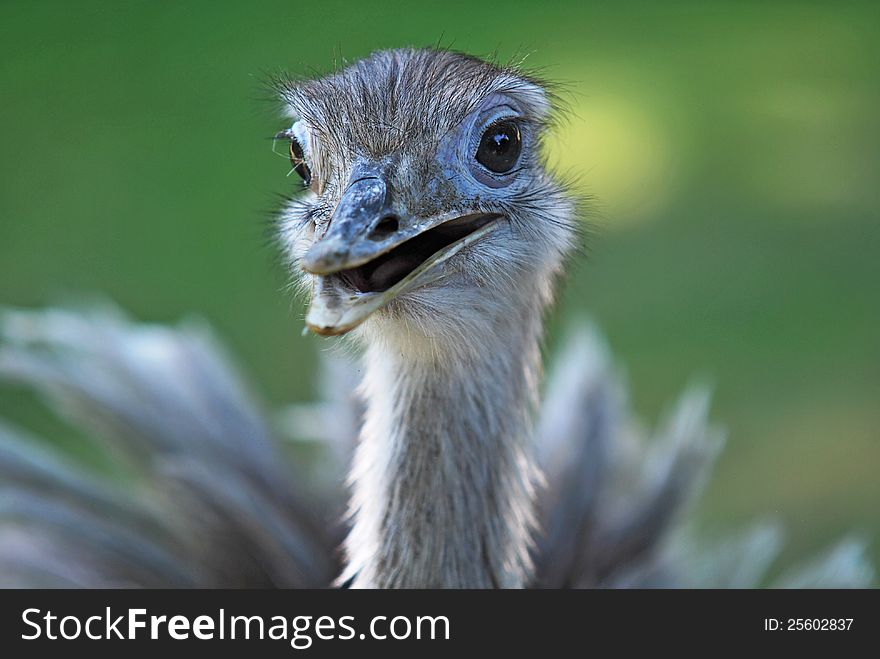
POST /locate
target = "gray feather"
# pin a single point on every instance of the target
(217, 504)
(210, 484)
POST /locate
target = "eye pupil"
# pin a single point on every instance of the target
(501, 142)
(500, 147)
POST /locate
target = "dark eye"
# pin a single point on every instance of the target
(500, 147)
(297, 161)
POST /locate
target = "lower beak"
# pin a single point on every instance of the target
(336, 307)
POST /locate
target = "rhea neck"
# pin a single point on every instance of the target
(443, 478)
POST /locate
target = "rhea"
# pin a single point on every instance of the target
(433, 232)
(430, 230)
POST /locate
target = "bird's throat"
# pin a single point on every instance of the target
(443, 477)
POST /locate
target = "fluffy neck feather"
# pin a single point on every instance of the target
(443, 478)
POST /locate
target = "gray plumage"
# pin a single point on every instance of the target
(442, 270)
(206, 498)
(62, 524)
(443, 479)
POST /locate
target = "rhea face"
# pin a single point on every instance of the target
(426, 194)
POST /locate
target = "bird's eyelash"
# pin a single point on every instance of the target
(286, 156)
(285, 137)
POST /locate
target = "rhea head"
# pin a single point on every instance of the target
(428, 208)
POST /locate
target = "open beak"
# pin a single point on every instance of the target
(369, 254)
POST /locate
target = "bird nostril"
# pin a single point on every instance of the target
(386, 226)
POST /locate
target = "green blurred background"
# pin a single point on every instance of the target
(733, 148)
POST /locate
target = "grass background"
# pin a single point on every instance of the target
(734, 150)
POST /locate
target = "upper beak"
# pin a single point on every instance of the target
(363, 227)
